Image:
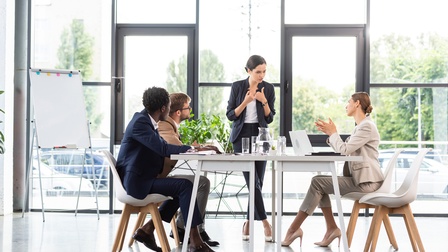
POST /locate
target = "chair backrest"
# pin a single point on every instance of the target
(385, 187)
(118, 185)
(410, 182)
(407, 192)
(121, 193)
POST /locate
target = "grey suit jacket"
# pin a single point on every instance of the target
(364, 142)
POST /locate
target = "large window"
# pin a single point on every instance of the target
(398, 54)
(409, 86)
(75, 37)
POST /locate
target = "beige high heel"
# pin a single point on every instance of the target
(245, 236)
(335, 234)
(297, 233)
(266, 237)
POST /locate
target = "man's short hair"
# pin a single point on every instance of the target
(154, 98)
(177, 101)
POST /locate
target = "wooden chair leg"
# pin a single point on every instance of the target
(157, 220)
(411, 226)
(140, 220)
(174, 230)
(383, 211)
(352, 222)
(374, 230)
(122, 226)
(390, 232)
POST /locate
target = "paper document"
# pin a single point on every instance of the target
(204, 152)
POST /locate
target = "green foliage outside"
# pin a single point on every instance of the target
(312, 101)
(211, 70)
(399, 59)
(75, 52)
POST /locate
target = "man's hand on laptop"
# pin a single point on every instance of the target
(207, 148)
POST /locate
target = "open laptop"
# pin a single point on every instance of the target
(302, 145)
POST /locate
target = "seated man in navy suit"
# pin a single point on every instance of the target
(140, 161)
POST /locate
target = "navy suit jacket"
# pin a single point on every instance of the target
(142, 155)
(237, 95)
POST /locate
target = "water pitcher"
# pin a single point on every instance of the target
(263, 140)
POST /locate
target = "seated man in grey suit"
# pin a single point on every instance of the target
(179, 111)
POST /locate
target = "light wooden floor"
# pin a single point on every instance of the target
(67, 232)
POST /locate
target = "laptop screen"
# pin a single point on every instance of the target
(300, 142)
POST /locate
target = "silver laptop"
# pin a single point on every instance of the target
(302, 146)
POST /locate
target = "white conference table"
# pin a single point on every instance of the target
(224, 162)
(290, 163)
(284, 163)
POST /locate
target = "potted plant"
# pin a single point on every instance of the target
(221, 132)
(205, 128)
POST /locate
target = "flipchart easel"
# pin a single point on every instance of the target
(60, 121)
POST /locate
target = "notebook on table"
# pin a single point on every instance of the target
(301, 145)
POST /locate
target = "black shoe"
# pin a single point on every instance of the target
(204, 247)
(181, 233)
(207, 239)
(203, 234)
(147, 240)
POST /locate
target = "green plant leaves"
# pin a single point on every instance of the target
(206, 128)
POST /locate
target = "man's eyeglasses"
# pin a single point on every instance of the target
(189, 108)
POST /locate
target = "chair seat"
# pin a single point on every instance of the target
(389, 200)
(151, 198)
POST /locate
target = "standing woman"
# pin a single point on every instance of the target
(364, 176)
(251, 105)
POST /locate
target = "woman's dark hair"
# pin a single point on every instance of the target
(364, 100)
(254, 61)
(154, 98)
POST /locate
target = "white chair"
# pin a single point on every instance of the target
(133, 205)
(396, 203)
(385, 188)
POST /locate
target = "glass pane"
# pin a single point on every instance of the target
(98, 106)
(153, 61)
(325, 12)
(72, 38)
(213, 100)
(323, 79)
(412, 118)
(250, 27)
(406, 49)
(156, 12)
